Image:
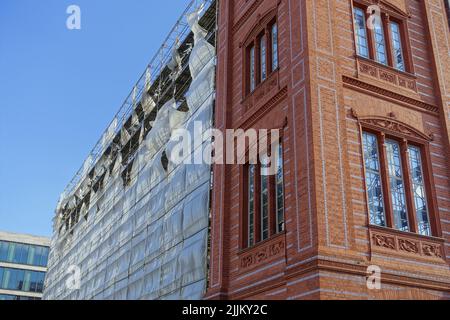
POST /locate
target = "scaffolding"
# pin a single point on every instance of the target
(130, 215)
(155, 80)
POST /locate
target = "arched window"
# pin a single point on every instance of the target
(261, 55)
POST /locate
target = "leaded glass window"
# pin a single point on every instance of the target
(264, 204)
(399, 61)
(252, 69)
(383, 41)
(361, 33)
(251, 204)
(280, 190)
(419, 193)
(380, 44)
(373, 180)
(397, 184)
(265, 199)
(263, 58)
(274, 47)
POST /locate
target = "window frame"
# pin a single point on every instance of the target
(404, 142)
(38, 253)
(263, 30)
(387, 17)
(273, 219)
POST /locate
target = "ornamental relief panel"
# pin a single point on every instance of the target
(262, 253)
(387, 77)
(391, 125)
(392, 7)
(396, 4)
(387, 241)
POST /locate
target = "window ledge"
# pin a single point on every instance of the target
(387, 77)
(263, 252)
(390, 241)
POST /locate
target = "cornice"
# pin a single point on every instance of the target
(391, 96)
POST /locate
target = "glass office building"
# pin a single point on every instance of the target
(23, 265)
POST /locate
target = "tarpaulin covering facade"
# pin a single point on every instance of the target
(136, 224)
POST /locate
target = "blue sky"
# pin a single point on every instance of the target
(60, 88)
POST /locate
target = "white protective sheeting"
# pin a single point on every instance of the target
(148, 104)
(109, 134)
(160, 133)
(148, 239)
(201, 87)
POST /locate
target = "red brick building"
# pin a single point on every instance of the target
(365, 117)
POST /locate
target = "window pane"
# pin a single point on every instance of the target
(418, 186)
(264, 203)
(33, 283)
(399, 61)
(20, 276)
(263, 58)
(21, 254)
(274, 47)
(31, 255)
(16, 278)
(397, 186)
(27, 281)
(251, 205)
(45, 253)
(252, 69)
(21, 280)
(380, 44)
(280, 191)
(18, 250)
(40, 282)
(4, 248)
(361, 33)
(5, 280)
(373, 180)
(11, 250)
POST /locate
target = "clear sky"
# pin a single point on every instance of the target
(59, 90)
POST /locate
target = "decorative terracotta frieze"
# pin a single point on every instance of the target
(387, 74)
(384, 240)
(391, 125)
(263, 253)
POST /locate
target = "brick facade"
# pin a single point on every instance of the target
(321, 96)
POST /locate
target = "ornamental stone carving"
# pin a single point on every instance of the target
(262, 253)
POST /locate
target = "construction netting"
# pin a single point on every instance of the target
(142, 233)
